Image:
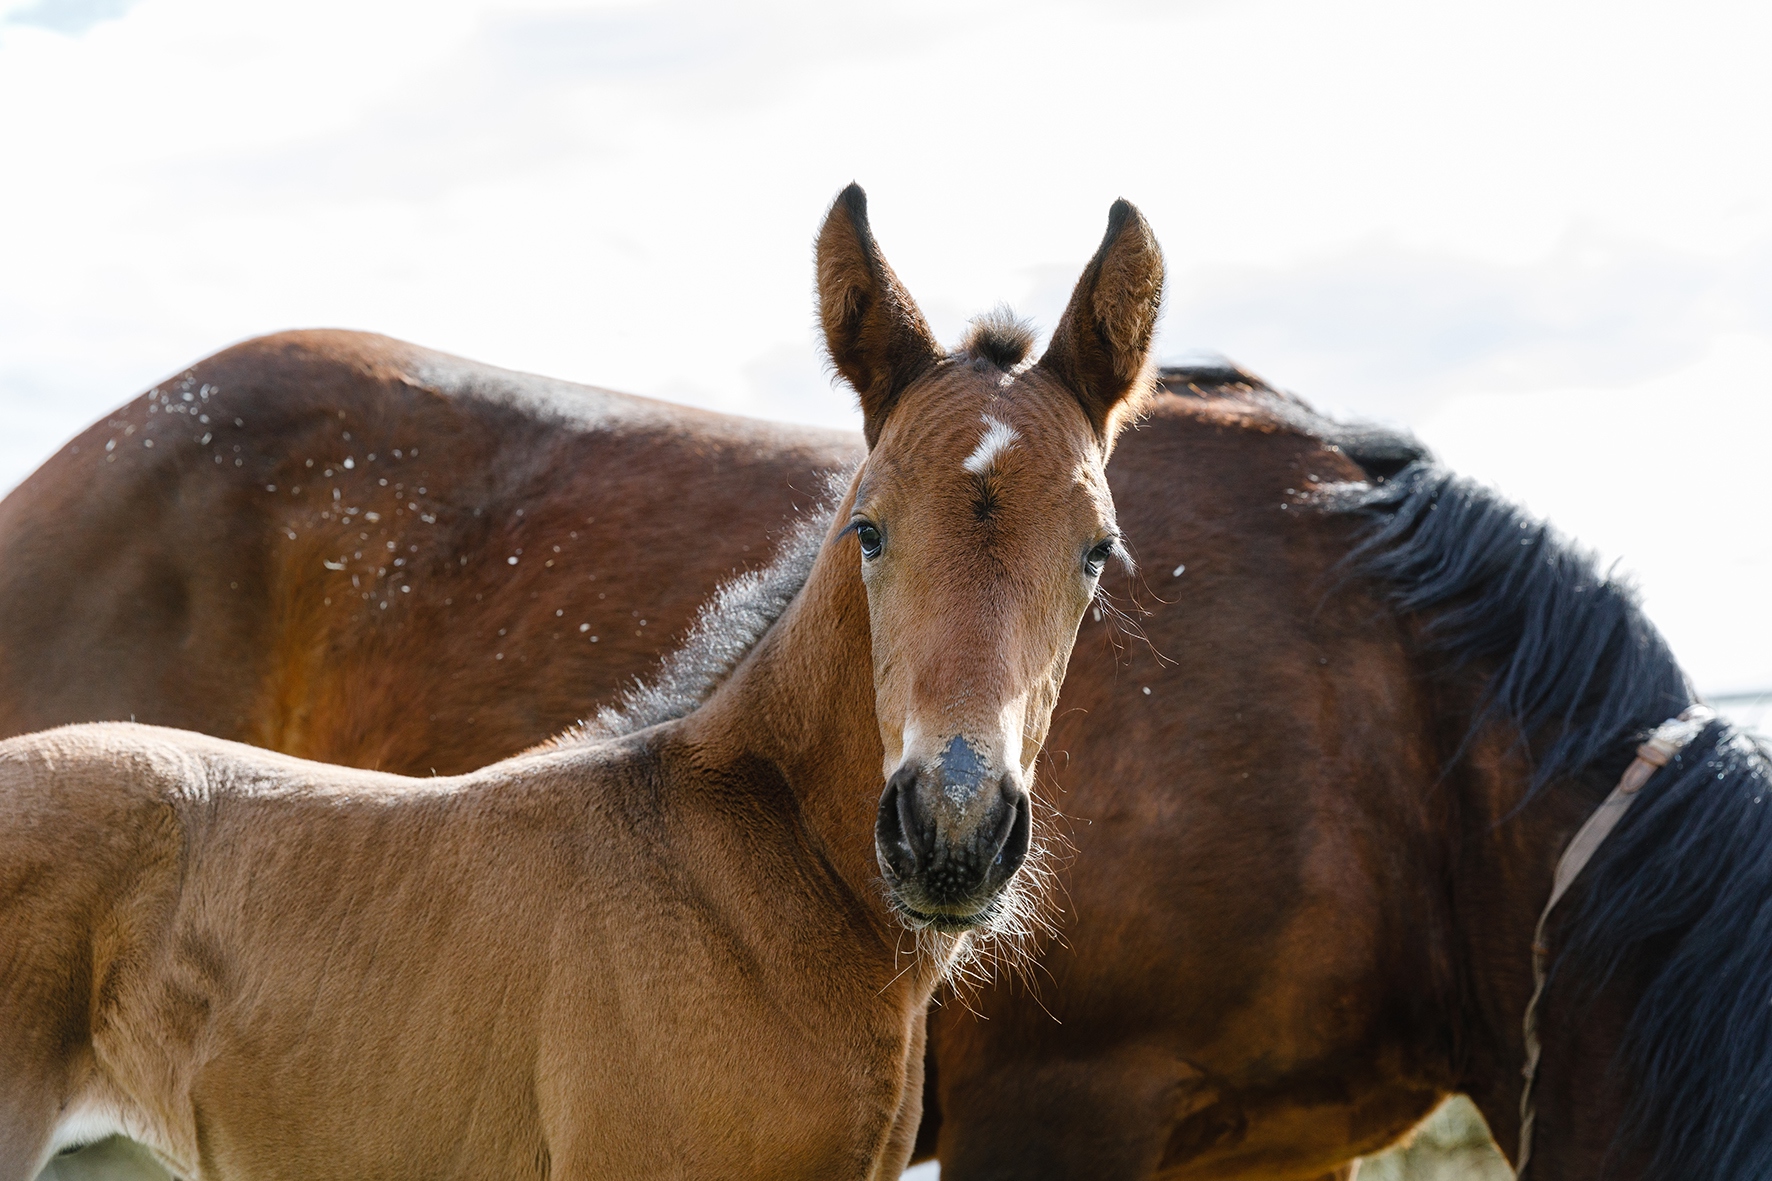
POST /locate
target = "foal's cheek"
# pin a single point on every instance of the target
(1049, 682)
(1041, 703)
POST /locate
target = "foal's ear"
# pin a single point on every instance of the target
(1103, 341)
(877, 338)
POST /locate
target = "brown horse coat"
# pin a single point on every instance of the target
(670, 953)
(1229, 1005)
(250, 586)
(1285, 936)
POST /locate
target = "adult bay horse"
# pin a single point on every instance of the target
(677, 950)
(1308, 861)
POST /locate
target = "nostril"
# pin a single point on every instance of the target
(1012, 797)
(896, 842)
(1006, 825)
(1018, 829)
(914, 838)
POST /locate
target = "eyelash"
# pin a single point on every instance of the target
(862, 529)
(1096, 559)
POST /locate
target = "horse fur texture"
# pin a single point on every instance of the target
(1293, 918)
(741, 612)
(999, 338)
(662, 954)
(1574, 663)
(1685, 883)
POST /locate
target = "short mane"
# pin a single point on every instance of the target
(728, 626)
(1679, 892)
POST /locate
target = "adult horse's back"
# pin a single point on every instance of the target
(353, 549)
(1163, 951)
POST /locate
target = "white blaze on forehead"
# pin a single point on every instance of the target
(997, 438)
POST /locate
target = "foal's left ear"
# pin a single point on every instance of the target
(1102, 344)
(878, 339)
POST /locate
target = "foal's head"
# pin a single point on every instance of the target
(981, 521)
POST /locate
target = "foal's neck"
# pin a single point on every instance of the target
(802, 703)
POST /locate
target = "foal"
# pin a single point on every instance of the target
(675, 953)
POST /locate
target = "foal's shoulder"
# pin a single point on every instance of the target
(88, 747)
(95, 780)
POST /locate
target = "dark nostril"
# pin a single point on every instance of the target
(1017, 833)
(914, 836)
(896, 841)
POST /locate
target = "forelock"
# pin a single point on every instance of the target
(999, 338)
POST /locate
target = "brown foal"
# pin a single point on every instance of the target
(676, 951)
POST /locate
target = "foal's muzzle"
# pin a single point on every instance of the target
(948, 847)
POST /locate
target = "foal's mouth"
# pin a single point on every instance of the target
(943, 921)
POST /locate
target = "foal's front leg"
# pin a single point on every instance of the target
(27, 1114)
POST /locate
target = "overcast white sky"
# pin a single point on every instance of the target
(1538, 232)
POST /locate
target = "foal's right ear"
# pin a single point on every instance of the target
(877, 338)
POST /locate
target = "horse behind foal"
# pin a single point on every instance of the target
(1307, 876)
(658, 953)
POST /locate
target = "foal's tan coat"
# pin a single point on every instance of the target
(666, 955)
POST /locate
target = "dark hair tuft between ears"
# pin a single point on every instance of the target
(1000, 338)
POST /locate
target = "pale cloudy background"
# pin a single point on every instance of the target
(1537, 233)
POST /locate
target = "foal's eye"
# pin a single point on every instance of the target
(870, 540)
(1098, 557)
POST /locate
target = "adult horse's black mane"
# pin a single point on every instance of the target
(1577, 667)
(1682, 891)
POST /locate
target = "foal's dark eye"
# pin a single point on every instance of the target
(870, 539)
(1098, 556)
